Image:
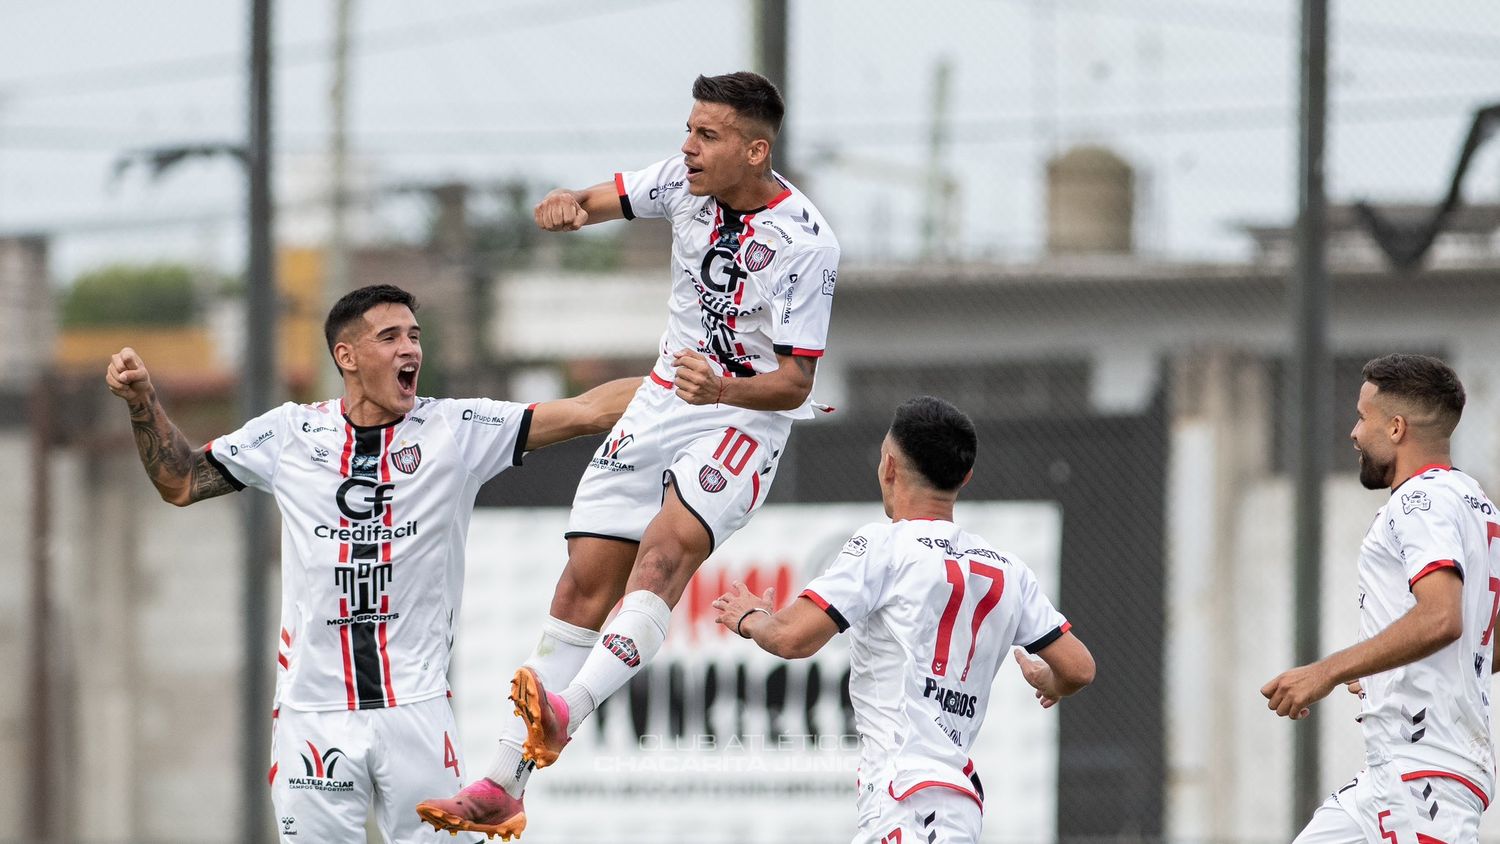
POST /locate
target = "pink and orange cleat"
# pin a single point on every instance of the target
(545, 714)
(482, 806)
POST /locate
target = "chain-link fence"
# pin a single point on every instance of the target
(1073, 219)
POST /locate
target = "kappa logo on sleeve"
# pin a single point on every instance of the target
(1413, 501)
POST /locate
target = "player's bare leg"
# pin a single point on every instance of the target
(591, 584)
(674, 546)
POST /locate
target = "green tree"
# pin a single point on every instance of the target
(160, 294)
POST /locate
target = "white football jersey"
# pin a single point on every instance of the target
(932, 612)
(748, 284)
(1432, 716)
(373, 526)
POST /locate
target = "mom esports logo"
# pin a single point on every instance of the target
(608, 457)
(322, 771)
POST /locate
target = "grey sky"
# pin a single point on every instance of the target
(1200, 96)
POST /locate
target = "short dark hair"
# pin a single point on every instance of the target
(1425, 381)
(353, 305)
(751, 95)
(937, 438)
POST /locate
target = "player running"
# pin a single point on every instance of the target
(930, 609)
(375, 491)
(753, 270)
(1427, 598)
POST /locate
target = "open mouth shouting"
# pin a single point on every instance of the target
(406, 380)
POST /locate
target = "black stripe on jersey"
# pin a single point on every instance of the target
(521, 435)
(1052, 636)
(838, 617)
(625, 207)
(228, 476)
(364, 643)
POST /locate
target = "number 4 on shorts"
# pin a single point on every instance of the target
(450, 758)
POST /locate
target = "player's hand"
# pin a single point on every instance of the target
(127, 376)
(732, 605)
(1038, 674)
(559, 211)
(1290, 693)
(695, 378)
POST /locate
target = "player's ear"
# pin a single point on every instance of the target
(343, 355)
(758, 151)
(1397, 428)
(968, 476)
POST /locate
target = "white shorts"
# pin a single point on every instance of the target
(721, 459)
(327, 767)
(1378, 807)
(936, 815)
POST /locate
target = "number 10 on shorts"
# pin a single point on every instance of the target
(734, 450)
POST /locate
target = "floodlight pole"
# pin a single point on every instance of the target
(256, 394)
(1309, 385)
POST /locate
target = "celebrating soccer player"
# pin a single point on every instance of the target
(375, 491)
(753, 270)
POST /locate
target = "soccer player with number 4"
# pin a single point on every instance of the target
(753, 269)
(1427, 598)
(931, 610)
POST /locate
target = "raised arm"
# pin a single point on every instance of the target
(181, 474)
(566, 210)
(593, 412)
(784, 388)
(1060, 669)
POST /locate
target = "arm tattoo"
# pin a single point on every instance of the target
(806, 365)
(170, 462)
(208, 481)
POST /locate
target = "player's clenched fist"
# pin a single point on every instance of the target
(560, 211)
(127, 376)
(695, 379)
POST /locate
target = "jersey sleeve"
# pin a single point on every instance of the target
(1041, 624)
(250, 455)
(855, 584)
(1425, 529)
(656, 191)
(490, 435)
(803, 300)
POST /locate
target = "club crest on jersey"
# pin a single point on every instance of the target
(711, 479)
(407, 459)
(758, 256)
(1414, 501)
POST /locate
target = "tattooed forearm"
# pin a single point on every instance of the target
(208, 481)
(807, 365)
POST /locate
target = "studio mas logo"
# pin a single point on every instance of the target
(322, 769)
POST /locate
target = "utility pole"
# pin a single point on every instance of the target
(43, 756)
(336, 277)
(770, 61)
(1309, 384)
(938, 196)
(256, 394)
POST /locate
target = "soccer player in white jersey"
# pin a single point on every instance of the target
(375, 491)
(931, 610)
(1428, 591)
(753, 269)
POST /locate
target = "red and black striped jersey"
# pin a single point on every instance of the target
(374, 523)
(747, 285)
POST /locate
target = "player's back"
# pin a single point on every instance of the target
(941, 612)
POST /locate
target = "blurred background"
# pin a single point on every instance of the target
(1075, 219)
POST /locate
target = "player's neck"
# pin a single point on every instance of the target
(1413, 462)
(753, 193)
(919, 505)
(365, 413)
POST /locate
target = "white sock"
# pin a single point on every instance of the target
(559, 654)
(626, 643)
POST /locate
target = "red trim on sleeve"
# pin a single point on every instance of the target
(807, 353)
(620, 184)
(1430, 568)
(1066, 626)
(816, 599)
(933, 784)
(1449, 775)
(660, 381)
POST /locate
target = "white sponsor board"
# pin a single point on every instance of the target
(718, 741)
